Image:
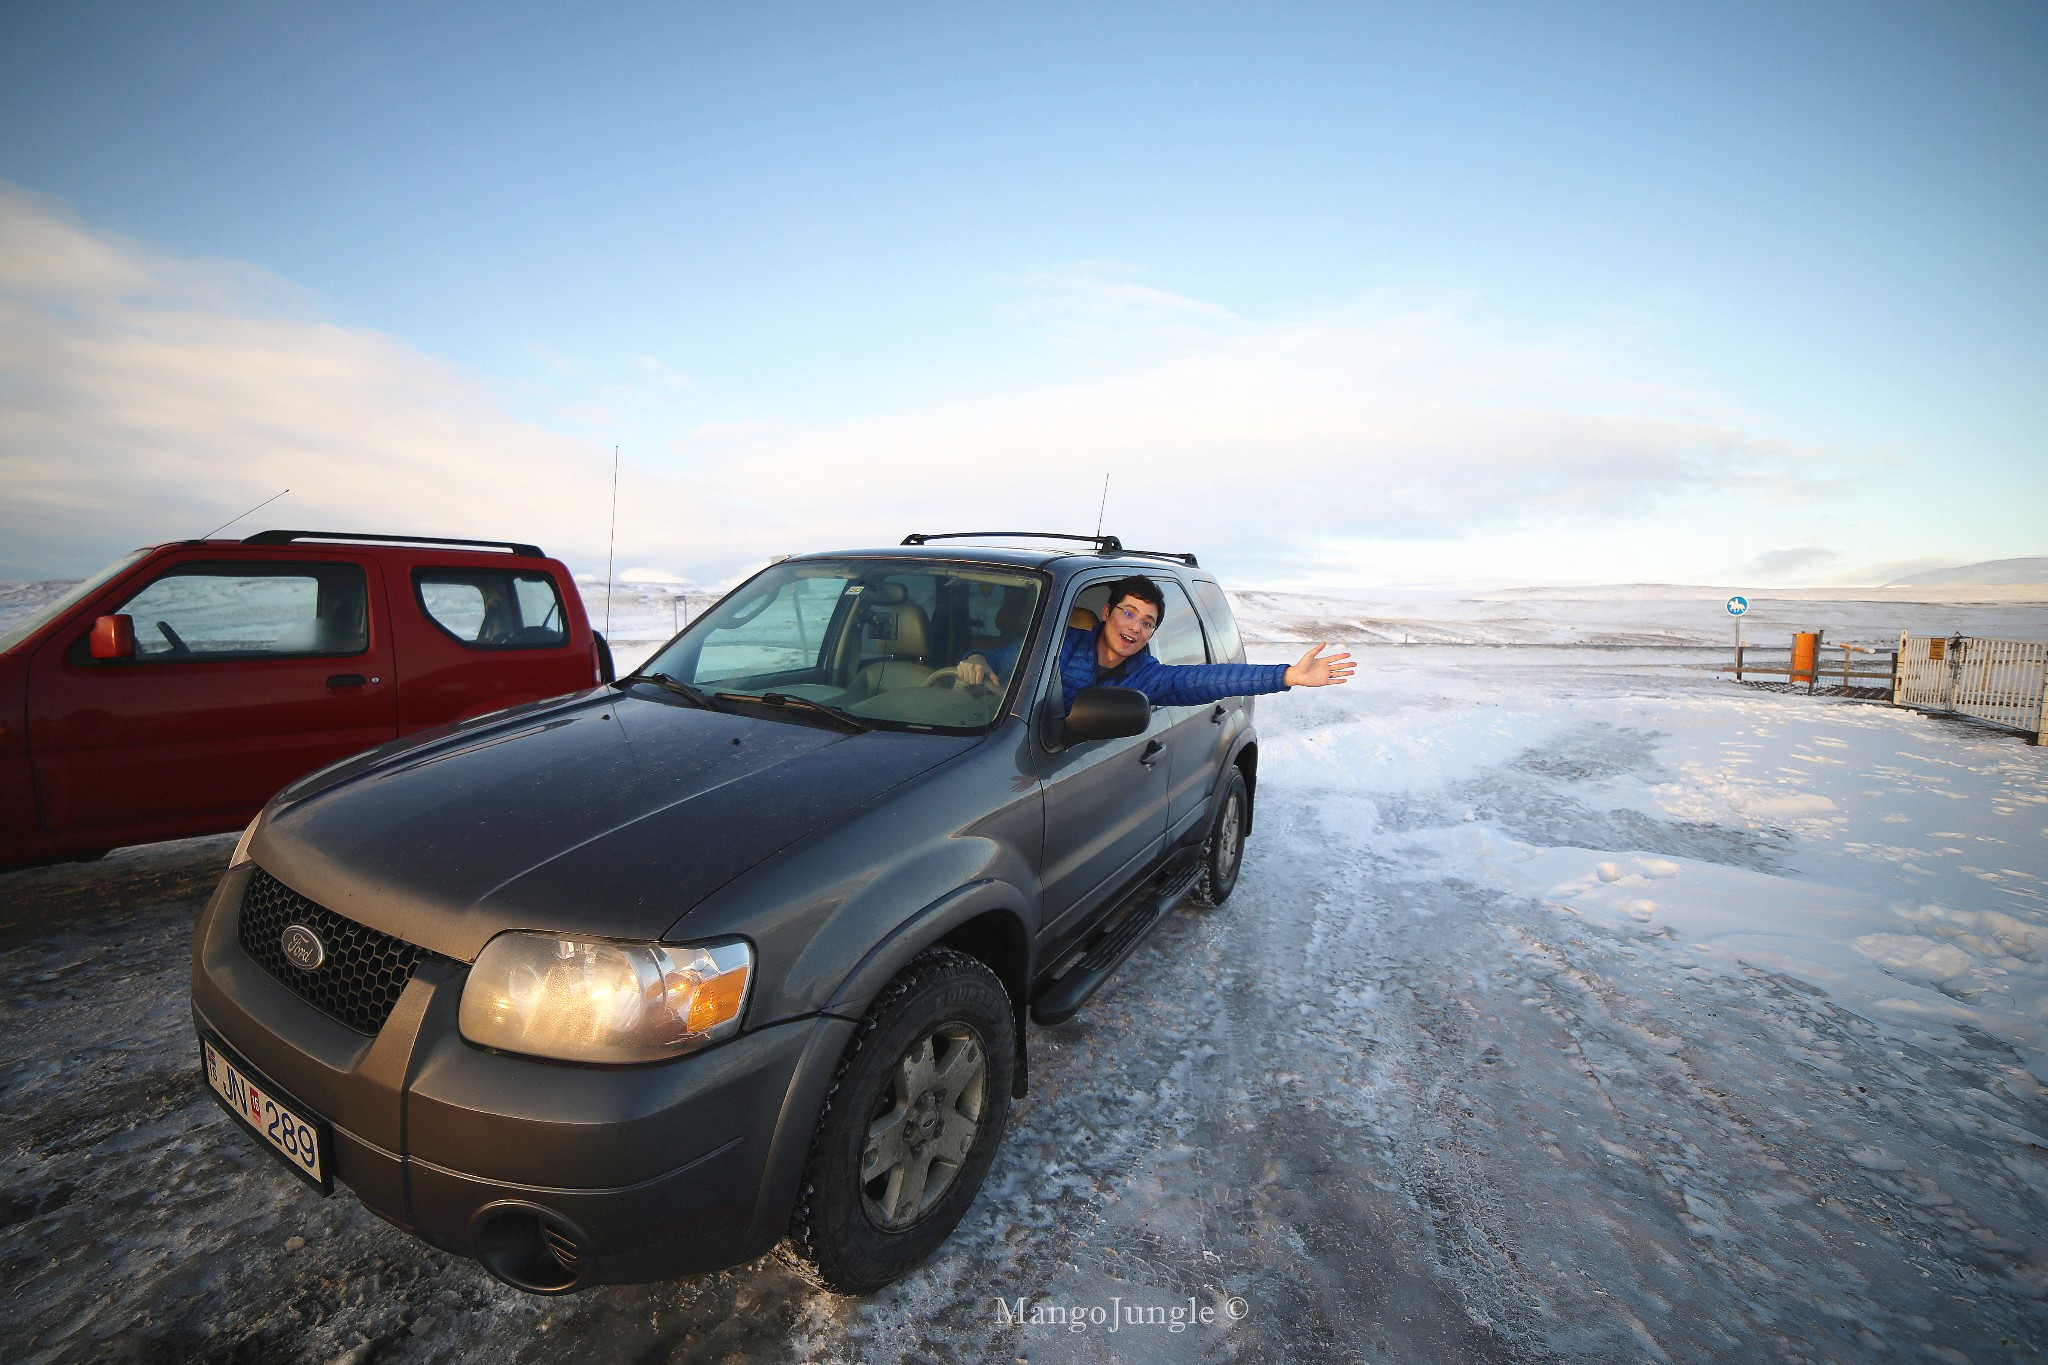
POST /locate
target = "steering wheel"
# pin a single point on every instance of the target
(950, 677)
(178, 646)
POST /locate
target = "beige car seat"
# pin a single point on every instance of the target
(901, 633)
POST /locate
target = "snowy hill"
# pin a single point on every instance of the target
(2031, 570)
(644, 614)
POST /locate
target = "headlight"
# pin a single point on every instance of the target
(241, 854)
(590, 1000)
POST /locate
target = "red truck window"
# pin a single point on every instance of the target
(242, 610)
(493, 608)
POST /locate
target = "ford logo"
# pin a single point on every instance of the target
(302, 947)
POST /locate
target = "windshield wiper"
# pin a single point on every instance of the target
(681, 689)
(832, 713)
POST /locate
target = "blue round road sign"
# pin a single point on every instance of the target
(1737, 605)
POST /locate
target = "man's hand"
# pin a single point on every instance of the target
(1313, 671)
(975, 672)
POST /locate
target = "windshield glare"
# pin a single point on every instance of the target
(880, 640)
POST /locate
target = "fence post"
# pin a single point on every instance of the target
(1898, 671)
(2041, 716)
(1955, 670)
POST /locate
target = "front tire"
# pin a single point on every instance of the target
(1223, 854)
(910, 1125)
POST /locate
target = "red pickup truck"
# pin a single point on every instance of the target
(175, 692)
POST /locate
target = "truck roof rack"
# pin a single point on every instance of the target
(287, 537)
(1105, 545)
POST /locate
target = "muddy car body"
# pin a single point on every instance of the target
(860, 880)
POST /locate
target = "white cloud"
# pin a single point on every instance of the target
(1791, 565)
(145, 396)
(1282, 448)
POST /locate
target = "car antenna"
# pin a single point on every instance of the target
(232, 520)
(1105, 503)
(612, 545)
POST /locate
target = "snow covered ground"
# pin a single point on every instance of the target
(1573, 1003)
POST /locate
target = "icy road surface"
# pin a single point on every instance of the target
(1572, 1005)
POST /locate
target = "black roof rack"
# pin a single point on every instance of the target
(287, 537)
(1106, 545)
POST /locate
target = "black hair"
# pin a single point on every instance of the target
(1140, 587)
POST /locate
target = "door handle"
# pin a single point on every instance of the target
(1153, 748)
(341, 680)
(1216, 716)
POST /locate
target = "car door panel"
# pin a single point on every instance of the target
(1105, 810)
(176, 735)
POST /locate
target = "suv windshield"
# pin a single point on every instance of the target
(877, 639)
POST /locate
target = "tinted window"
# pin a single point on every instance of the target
(1179, 637)
(1216, 614)
(249, 611)
(493, 608)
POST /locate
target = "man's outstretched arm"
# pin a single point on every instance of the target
(1194, 684)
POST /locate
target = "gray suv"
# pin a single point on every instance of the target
(639, 981)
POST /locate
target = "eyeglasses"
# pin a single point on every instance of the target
(1135, 621)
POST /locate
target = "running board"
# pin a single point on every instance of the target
(1063, 999)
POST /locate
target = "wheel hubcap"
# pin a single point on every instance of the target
(924, 1125)
(1229, 844)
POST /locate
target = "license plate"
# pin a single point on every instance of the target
(300, 1142)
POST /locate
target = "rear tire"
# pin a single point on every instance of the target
(910, 1125)
(1223, 854)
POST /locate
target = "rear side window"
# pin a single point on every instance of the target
(493, 608)
(1179, 637)
(249, 611)
(1222, 625)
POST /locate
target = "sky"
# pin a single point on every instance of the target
(1333, 295)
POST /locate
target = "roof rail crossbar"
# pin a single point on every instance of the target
(1108, 545)
(287, 537)
(1179, 556)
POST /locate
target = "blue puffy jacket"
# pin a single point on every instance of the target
(1162, 684)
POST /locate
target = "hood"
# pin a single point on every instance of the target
(606, 814)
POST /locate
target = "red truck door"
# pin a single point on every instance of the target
(246, 674)
(477, 636)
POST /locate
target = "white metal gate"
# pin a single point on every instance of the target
(2002, 681)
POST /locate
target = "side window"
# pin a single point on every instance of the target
(493, 608)
(1179, 637)
(247, 611)
(1094, 599)
(1216, 614)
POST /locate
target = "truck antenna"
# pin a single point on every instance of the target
(232, 520)
(612, 546)
(1105, 503)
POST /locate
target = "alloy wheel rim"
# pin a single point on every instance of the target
(1229, 836)
(924, 1126)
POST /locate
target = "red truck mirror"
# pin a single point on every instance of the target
(113, 637)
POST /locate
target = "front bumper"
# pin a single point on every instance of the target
(555, 1176)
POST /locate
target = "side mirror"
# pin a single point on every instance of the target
(113, 637)
(1107, 713)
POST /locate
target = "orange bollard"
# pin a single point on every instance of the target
(1806, 657)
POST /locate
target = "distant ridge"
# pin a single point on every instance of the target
(1991, 571)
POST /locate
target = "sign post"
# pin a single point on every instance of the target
(1736, 607)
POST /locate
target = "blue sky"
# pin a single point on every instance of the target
(1339, 294)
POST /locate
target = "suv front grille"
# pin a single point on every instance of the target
(363, 972)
